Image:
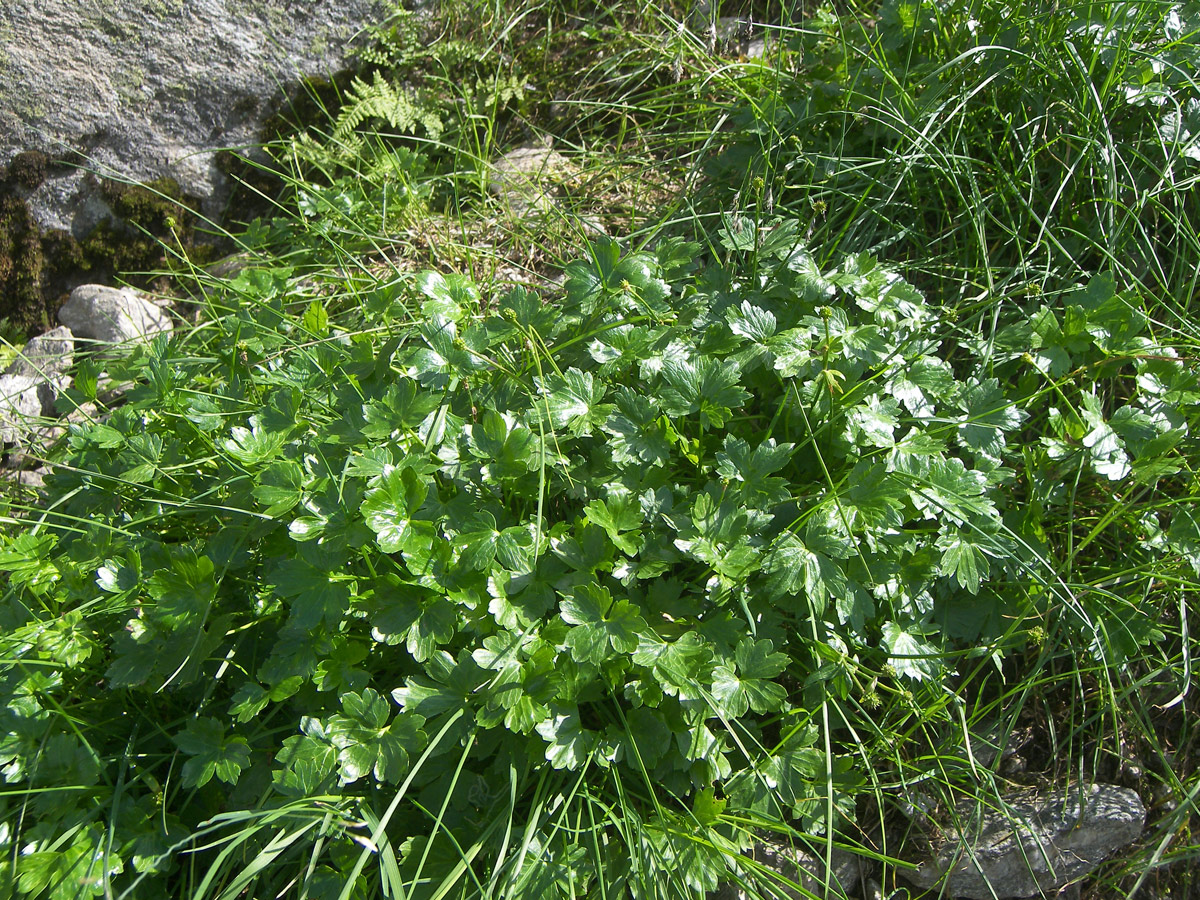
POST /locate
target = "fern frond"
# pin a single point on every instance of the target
(387, 101)
(495, 91)
(395, 43)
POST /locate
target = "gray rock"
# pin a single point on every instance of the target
(34, 479)
(756, 49)
(112, 315)
(30, 385)
(151, 88)
(1034, 842)
(48, 356)
(229, 266)
(69, 202)
(800, 867)
(32, 450)
(527, 178)
(731, 35)
(21, 400)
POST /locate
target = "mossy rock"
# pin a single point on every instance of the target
(29, 169)
(22, 265)
(38, 268)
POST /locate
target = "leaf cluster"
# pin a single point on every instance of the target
(636, 536)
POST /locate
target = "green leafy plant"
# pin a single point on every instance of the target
(380, 583)
(580, 569)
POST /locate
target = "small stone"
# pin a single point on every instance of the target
(756, 49)
(34, 447)
(112, 315)
(88, 411)
(592, 227)
(1032, 842)
(229, 266)
(731, 35)
(20, 406)
(30, 478)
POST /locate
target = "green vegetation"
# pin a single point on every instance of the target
(866, 440)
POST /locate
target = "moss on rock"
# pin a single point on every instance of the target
(38, 267)
(22, 263)
(28, 169)
(150, 205)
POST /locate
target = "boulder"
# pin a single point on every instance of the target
(151, 89)
(113, 315)
(21, 402)
(1031, 842)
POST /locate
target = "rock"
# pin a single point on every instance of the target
(526, 178)
(150, 89)
(21, 401)
(733, 36)
(35, 444)
(48, 356)
(30, 385)
(229, 266)
(798, 866)
(756, 49)
(112, 315)
(592, 227)
(1031, 842)
(34, 479)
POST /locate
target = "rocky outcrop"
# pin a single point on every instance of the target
(150, 89)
